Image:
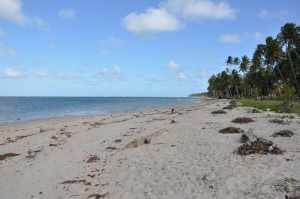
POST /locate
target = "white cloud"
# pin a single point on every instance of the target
(230, 38)
(151, 21)
(41, 73)
(67, 13)
(171, 15)
(12, 10)
(12, 73)
(181, 76)
(6, 51)
(200, 9)
(111, 73)
(172, 65)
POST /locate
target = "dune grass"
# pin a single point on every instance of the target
(273, 105)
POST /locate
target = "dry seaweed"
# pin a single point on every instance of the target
(219, 112)
(92, 159)
(8, 155)
(279, 121)
(231, 130)
(98, 196)
(283, 133)
(259, 146)
(138, 142)
(243, 120)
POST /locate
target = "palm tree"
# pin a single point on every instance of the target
(236, 61)
(288, 38)
(244, 66)
(229, 60)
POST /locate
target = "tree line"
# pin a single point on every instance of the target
(272, 71)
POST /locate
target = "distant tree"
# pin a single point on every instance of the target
(244, 65)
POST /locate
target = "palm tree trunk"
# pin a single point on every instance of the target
(293, 71)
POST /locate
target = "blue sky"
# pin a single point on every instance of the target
(128, 47)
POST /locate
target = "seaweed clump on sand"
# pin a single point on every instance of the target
(279, 121)
(283, 133)
(7, 155)
(231, 130)
(232, 104)
(218, 112)
(256, 145)
(92, 159)
(243, 120)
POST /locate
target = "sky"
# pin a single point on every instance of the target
(129, 47)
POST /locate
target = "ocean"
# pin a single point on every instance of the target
(13, 109)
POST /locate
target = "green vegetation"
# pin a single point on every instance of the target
(273, 71)
(198, 94)
(273, 105)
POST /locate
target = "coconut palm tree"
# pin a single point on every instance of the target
(289, 38)
(244, 65)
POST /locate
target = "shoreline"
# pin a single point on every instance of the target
(74, 116)
(149, 154)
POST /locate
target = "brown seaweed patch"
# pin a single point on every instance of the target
(218, 112)
(138, 142)
(279, 121)
(231, 130)
(258, 146)
(283, 133)
(8, 155)
(98, 196)
(76, 182)
(92, 159)
(243, 120)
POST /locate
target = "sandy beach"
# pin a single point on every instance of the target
(150, 154)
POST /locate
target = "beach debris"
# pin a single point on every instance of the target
(244, 138)
(12, 140)
(173, 122)
(42, 130)
(229, 107)
(92, 159)
(147, 141)
(112, 148)
(283, 133)
(257, 145)
(232, 104)
(96, 124)
(138, 142)
(54, 137)
(98, 196)
(285, 185)
(242, 120)
(91, 175)
(218, 112)
(53, 144)
(31, 153)
(288, 185)
(292, 197)
(77, 181)
(254, 110)
(8, 155)
(231, 130)
(118, 140)
(67, 134)
(279, 121)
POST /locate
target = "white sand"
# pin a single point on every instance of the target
(187, 159)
